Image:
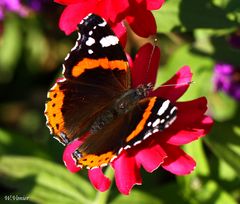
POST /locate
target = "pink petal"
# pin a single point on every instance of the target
(130, 61)
(142, 22)
(190, 112)
(185, 136)
(145, 65)
(98, 179)
(181, 78)
(71, 15)
(67, 155)
(151, 4)
(151, 158)
(178, 162)
(121, 32)
(67, 2)
(114, 10)
(154, 5)
(127, 173)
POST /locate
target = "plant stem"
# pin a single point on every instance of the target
(102, 197)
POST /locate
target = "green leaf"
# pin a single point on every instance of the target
(222, 106)
(163, 193)
(10, 47)
(224, 141)
(169, 193)
(187, 15)
(201, 68)
(195, 149)
(210, 193)
(167, 18)
(12, 143)
(44, 181)
(226, 172)
(136, 197)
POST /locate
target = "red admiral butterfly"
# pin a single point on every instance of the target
(95, 97)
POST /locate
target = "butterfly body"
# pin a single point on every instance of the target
(95, 99)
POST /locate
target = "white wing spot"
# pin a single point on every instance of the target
(155, 130)
(90, 51)
(156, 122)
(109, 40)
(163, 108)
(147, 135)
(64, 68)
(172, 110)
(102, 24)
(67, 56)
(149, 124)
(75, 47)
(127, 147)
(90, 32)
(79, 36)
(136, 143)
(90, 41)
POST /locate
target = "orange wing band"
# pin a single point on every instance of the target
(53, 110)
(104, 63)
(92, 160)
(141, 124)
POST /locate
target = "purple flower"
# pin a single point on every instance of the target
(227, 79)
(12, 6)
(37, 5)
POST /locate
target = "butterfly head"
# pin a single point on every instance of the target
(143, 90)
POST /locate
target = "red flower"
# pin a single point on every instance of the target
(162, 148)
(135, 12)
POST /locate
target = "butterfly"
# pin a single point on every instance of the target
(95, 98)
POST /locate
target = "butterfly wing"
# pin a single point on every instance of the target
(96, 71)
(148, 117)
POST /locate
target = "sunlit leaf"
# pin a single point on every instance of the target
(187, 15)
(10, 48)
(136, 197)
(209, 193)
(225, 143)
(45, 179)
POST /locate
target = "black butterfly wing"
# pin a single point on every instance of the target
(96, 49)
(96, 71)
(148, 117)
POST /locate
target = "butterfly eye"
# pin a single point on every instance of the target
(122, 105)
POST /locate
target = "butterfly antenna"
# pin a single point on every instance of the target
(149, 64)
(150, 59)
(178, 84)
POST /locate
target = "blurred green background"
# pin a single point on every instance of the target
(32, 48)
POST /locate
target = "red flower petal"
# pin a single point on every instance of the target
(130, 61)
(177, 162)
(111, 10)
(151, 157)
(152, 4)
(189, 112)
(185, 136)
(98, 179)
(71, 15)
(67, 155)
(127, 173)
(145, 65)
(142, 22)
(182, 77)
(121, 32)
(67, 2)
(74, 13)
